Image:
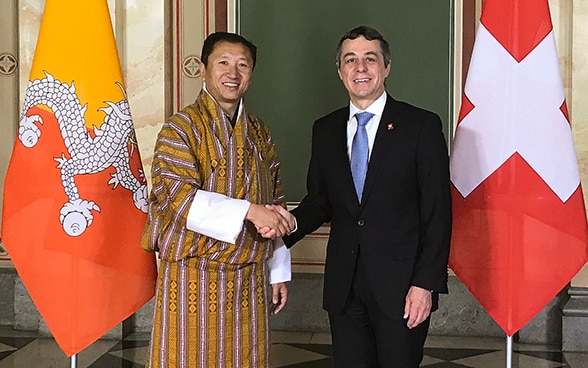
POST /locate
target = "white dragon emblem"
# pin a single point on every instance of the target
(88, 155)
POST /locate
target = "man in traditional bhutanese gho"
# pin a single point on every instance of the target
(215, 168)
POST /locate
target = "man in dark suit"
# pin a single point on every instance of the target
(389, 240)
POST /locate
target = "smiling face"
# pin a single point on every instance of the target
(228, 74)
(362, 70)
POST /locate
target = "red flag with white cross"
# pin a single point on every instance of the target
(519, 221)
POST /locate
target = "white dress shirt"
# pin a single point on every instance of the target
(376, 108)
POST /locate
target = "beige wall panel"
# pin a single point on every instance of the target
(190, 26)
(579, 108)
(8, 88)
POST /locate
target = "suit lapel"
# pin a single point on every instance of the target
(341, 161)
(383, 135)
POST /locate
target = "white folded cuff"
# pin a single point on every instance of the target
(217, 216)
(280, 267)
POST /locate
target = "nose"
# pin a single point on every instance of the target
(233, 70)
(361, 65)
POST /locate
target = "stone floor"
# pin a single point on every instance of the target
(289, 349)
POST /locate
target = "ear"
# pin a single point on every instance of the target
(339, 73)
(203, 71)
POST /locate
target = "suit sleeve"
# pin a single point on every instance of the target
(435, 208)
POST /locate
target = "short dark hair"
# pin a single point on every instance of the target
(369, 34)
(216, 37)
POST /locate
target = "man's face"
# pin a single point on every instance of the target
(228, 73)
(362, 70)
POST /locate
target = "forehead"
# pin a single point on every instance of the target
(360, 46)
(230, 49)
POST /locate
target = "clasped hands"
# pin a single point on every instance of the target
(271, 221)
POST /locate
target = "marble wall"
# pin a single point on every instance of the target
(144, 68)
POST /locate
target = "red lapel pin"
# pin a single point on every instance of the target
(390, 126)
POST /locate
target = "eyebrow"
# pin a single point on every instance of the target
(354, 54)
(239, 58)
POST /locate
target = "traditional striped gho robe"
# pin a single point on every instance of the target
(212, 299)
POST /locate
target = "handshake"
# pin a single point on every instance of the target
(271, 221)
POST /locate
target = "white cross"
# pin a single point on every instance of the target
(516, 109)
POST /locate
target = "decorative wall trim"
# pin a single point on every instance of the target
(221, 18)
(8, 63)
(191, 66)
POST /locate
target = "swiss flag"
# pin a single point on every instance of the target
(519, 222)
(75, 196)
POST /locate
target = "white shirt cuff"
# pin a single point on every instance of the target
(280, 268)
(295, 225)
(217, 216)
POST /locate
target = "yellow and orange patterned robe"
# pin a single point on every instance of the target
(212, 298)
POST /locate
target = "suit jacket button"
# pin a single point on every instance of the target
(353, 251)
(360, 222)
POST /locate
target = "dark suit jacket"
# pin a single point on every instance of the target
(402, 226)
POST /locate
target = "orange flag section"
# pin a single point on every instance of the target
(75, 195)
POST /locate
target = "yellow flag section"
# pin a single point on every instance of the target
(75, 196)
(76, 43)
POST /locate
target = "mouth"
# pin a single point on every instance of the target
(361, 80)
(231, 84)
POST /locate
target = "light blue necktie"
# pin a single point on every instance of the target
(359, 152)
